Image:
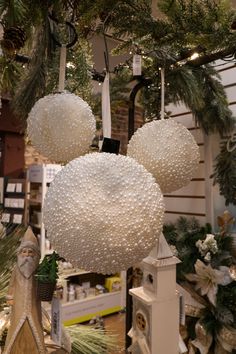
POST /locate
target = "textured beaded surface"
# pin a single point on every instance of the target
(61, 126)
(168, 150)
(103, 212)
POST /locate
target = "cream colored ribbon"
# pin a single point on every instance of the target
(106, 107)
(162, 93)
(62, 68)
(203, 339)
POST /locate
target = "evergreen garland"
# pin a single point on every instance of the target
(33, 83)
(225, 173)
(162, 41)
(166, 41)
(184, 235)
(193, 243)
(8, 251)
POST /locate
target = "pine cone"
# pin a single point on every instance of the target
(13, 39)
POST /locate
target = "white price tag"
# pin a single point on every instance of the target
(137, 65)
(5, 217)
(18, 187)
(56, 321)
(17, 218)
(11, 187)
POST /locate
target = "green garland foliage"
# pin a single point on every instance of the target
(165, 41)
(183, 235)
(10, 75)
(8, 249)
(191, 244)
(33, 83)
(225, 173)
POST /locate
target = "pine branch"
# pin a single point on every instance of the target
(10, 75)
(225, 173)
(12, 12)
(86, 340)
(8, 248)
(33, 84)
(213, 115)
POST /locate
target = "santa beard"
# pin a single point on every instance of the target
(27, 265)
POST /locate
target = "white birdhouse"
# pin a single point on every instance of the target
(155, 327)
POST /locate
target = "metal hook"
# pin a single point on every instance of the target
(71, 29)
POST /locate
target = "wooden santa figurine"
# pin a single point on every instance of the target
(25, 334)
(155, 327)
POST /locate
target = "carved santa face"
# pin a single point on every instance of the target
(27, 261)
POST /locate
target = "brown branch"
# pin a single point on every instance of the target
(209, 58)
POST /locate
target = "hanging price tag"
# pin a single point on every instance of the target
(56, 321)
(137, 65)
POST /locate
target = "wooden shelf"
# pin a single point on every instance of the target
(14, 208)
(14, 203)
(74, 274)
(22, 194)
(38, 178)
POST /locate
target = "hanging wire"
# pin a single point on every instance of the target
(55, 32)
(71, 40)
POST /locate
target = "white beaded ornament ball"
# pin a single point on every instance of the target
(167, 150)
(103, 212)
(61, 126)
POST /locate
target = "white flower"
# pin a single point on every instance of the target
(210, 237)
(207, 257)
(207, 245)
(207, 279)
(211, 243)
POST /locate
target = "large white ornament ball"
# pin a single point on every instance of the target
(103, 212)
(168, 150)
(61, 126)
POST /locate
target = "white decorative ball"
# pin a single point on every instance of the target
(61, 126)
(103, 212)
(167, 150)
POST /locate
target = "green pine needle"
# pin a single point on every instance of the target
(8, 248)
(225, 173)
(87, 340)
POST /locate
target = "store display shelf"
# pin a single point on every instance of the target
(74, 273)
(83, 310)
(91, 298)
(15, 208)
(15, 194)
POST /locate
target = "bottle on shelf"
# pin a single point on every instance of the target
(71, 293)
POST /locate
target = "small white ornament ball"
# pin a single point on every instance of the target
(103, 212)
(167, 150)
(61, 126)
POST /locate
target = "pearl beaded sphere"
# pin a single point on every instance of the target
(103, 212)
(168, 150)
(61, 126)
